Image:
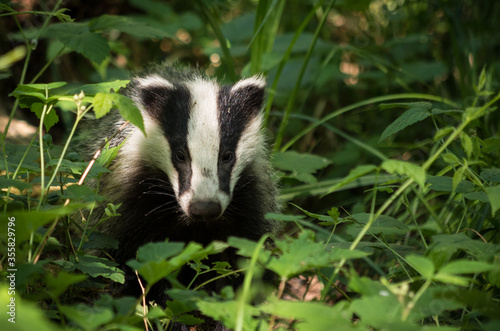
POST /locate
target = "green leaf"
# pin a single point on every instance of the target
(458, 176)
(106, 87)
(59, 283)
(422, 265)
(407, 169)
(466, 267)
(9, 182)
(384, 224)
(301, 166)
(310, 315)
(451, 279)
(416, 113)
(103, 102)
(354, 174)
(493, 194)
(466, 144)
(82, 193)
(227, 313)
(128, 25)
(89, 318)
(78, 37)
(50, 118)
(159, 251)
(491, 175)
(96, 266)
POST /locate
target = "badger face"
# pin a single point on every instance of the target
(202, 135)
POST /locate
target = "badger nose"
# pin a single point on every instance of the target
(205, 210)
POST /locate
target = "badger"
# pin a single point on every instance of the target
(200, 173)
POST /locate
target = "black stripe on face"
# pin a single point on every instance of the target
(236, 109)
(170, 107)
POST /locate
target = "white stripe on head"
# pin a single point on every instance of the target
(249, 145)
(153, 81)
(258, 81)
(203, 144)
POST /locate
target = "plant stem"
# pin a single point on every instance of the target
(293, 97)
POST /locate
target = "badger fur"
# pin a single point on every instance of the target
(201, 172)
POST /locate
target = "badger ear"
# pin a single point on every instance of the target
(250, 92)
(150, 93)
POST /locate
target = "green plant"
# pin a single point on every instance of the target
(386, 135)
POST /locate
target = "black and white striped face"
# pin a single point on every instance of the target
(202, 135)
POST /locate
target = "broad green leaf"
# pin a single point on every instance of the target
(28, 314)
(246, 247)
(354, 174)
(374, 310)
(27, 222)
(466, 144)
(82, 193)
(310, 315)
(59, 283)
(407, 169)
(96, 266)
(88, 318)
(445, 184)
(78, 37)
(152, 271)
(301, 166)
(493, 194)
(466, 267)
(442, 133)
(50, 118)
(9, 182)
(491, 175)
(458, 176)
(159, 251)
(227, 313)
(103, 102)
(416, 113)
(42, 87)
(106, 87)
(384, 224)
(283, 217)
(128, 25)
(129, 111)
(422, 265)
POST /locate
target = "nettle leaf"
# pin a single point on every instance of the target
(491, 175)
(82, 193)
(59, 283)
(106, 87)
(50, 118)
(128, 25)
(407, 169)
(78, 37)
(159, 251)
(301, 166)
(384, 224)
(422, 265)
(467, 267)
(310, 315)
(416, 112)
(227, 313)
(96, 266)
(493, 194)
(354, 174)
(103, 103)
(89, 318)
(10, 182)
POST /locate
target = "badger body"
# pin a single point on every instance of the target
(201, 173)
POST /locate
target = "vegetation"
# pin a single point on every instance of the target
(382, 115)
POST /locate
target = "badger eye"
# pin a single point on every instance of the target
(180, 156)
(227, 157)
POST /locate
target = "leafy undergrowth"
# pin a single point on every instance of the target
(405, 244)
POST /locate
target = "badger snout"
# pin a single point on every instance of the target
(205, 210)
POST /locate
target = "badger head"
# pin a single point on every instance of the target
(202, 135)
